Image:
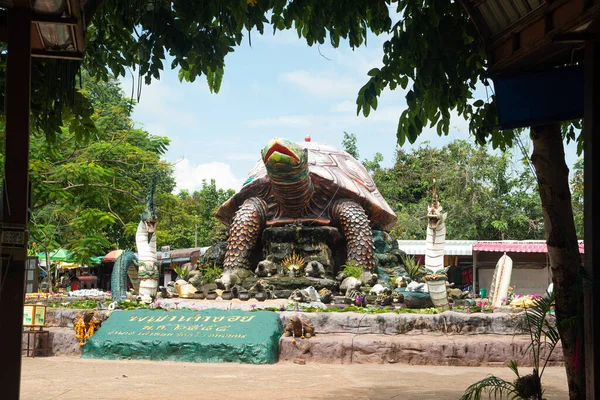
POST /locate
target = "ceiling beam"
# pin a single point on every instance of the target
(65, 55)
(51, 19)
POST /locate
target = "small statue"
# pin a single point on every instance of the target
(184, 290)
(260, 286)
(326, 295)
(314, 269)
(265, 268)
(300, 295)
(399, 281)
(349, 284)
(384, 298)
(397, 297)
(356, 297)
(377, 289)
(298, 328)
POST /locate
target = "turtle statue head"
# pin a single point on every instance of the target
(285, 159)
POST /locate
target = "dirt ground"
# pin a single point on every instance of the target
(75, 378)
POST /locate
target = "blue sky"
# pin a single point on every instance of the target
(279, 87)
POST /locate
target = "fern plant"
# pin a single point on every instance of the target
(210, 274)
(351, 269)
(182, 272)
(543, 335)
(414, 269)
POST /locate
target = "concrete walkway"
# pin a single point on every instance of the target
(76, 378)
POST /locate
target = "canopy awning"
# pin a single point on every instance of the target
(57, 255)
(451, 247)
(112, 256)
(533, 246)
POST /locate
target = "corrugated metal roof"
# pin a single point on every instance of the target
(533, 246)
(502, 14)
(451, 247)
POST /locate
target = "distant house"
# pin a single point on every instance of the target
(472, 262)
(531, 266)
(458, 255)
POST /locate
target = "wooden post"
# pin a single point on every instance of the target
(15, 198)
(475, 280)
(591, 282)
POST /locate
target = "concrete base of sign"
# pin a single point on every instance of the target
(184, 335)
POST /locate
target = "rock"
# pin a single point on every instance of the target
(195, 278)
(340, 277)
(265, 268)
(215, 254)
(384, 242)
(417, 299)
(350, 283)
(314, 269)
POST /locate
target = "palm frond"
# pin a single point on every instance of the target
(493, 386)
(512, 364)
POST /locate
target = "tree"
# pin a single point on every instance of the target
(577, 191)
(349, 144)
(86, 191)
(484, 197)
(182, 216)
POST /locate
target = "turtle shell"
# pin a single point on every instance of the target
(334, 172)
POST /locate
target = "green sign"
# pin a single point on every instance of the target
(211, 335)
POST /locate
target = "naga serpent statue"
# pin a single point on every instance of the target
(304, 183)
(436, 235)
(147, 268)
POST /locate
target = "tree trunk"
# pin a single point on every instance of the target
(553, 178)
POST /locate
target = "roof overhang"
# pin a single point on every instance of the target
(526, 35)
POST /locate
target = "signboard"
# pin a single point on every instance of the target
(211, 335)
(165, 249)
(34, 315)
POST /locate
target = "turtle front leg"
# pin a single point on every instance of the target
(246, 227)
(353, 223)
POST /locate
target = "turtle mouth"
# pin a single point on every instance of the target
(281, 149)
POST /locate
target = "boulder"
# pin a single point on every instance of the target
(215, 255)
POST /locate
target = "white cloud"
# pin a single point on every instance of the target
(283, 120)
(323, 84)
(242, 156)
(345, 107)
(189, 176)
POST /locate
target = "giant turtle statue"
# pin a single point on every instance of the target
(305, 183)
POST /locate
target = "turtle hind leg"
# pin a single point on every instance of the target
(353, 223)
(244, 232)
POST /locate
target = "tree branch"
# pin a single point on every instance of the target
(104, 187)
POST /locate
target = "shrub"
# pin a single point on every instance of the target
(414, 270)
(352, 270)
(210, 274)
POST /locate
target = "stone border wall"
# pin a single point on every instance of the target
(447, 323)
